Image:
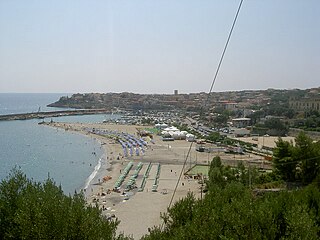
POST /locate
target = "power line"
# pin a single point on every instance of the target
(210, 90)
(223, 53)
(184, 164)
(297, 161)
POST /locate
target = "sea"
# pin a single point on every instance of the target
(72, 160)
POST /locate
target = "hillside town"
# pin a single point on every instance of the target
(252, 112)
(297, 99)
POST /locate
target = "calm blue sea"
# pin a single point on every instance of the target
(11, 103)
(42, 151)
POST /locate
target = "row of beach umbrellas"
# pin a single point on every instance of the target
(129, 143)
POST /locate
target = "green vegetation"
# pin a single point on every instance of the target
(214, 137)
(256, 116)
(309, 122)
(297, 163)
(199, 169)
(279, 109)
(232, 210)
(153, 130)
(221, 118)
(279, 103)
(32, 210)
(236, 204)
(272, 127)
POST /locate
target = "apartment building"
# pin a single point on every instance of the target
(305, 104)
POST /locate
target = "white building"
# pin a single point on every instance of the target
(241, 122)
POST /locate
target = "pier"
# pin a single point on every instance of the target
(42, 115)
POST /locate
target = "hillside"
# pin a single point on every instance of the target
(254, 99)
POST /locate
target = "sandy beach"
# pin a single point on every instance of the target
(140, 210)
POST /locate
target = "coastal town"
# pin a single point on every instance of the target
(158, 152)
(160, 120)
(273, 112)
(246, 100)
(152, 149)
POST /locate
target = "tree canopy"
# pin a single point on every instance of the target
(299, 162)
(230, 210)
(33, 210)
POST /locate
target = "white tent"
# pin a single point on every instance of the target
(163, 125)
(177, 135)
(190, 137)
(171, 129)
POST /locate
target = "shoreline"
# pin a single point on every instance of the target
(109, 153)
(146, 205)
(102, 158)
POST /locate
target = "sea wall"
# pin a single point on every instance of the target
(41, 115)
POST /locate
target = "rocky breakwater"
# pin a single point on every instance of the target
(41, 115)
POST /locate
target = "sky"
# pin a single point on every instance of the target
(156, 46)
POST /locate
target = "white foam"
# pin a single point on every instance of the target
(93, 174)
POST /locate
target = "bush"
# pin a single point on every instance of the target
(33, 210)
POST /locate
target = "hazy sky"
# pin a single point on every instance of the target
(156, 46)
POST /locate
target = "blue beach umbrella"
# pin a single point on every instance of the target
(131, 151)
(125, 151)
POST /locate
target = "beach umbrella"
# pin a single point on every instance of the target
(131, 151)
(125, 152)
